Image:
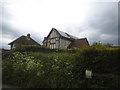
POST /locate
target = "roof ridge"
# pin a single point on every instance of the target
(82, 38)
(23, 36)
(69, 35)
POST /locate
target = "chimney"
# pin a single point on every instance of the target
(28, 36)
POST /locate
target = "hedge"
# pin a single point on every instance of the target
(39, 69)
(32, 48)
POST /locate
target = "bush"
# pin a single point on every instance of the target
(32, 48)
(39, 67)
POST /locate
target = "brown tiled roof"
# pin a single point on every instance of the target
(79, 43)
(23, 40)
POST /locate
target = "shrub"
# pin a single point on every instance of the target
(32, 48)
(39, 67)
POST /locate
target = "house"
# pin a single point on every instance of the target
(60, 39)
(79, 43)
(23, 40)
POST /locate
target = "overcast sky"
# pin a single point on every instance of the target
(97, 21)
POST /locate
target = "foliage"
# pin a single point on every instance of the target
(39, 67)
(32, 48)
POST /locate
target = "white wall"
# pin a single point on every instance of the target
(55, 41)
(64, 43)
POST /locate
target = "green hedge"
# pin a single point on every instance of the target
(25, 48)
(39, 69)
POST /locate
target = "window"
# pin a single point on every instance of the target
(50, 46)
(14, 46)
(53, 45)
(53, 40)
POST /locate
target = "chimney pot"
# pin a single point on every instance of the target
(28, 36)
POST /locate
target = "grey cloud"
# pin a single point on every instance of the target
(104, 20)
(8, 30)
(107, 23)
(37, 38)
(8, 33)
(4, 13)
(119, 23)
